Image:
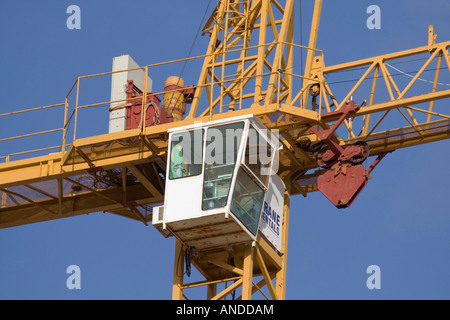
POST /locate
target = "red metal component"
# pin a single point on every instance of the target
(154, 113)
(327, 135)
(346, 177)
(189, 93)
(343, 182)
(349, 153)
(342, 189)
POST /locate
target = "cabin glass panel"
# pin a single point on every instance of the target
(186, 156)
(258, 155)
(247, 200)
(222, 146)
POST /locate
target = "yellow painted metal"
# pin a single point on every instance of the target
(173, 100)
(265, 272)
(247, 275)
(178, 272)
(251, 259)
(121, 172)
(312, 44)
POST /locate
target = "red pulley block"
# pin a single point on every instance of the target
(346, 177)
(341, 188)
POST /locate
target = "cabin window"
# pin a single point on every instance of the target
(222, 145)
(258, 155)
(186, 154)
(247, 200)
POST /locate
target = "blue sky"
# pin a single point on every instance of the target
(400, 222)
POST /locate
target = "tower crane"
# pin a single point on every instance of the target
(229, 218)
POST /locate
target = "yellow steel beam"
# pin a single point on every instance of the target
(265, 273)
(207, 282)
(228, 290)
(73, 205)
(226, 266)
(145, 182)
(408, 136)
(178, 271)
(312, 44)
(386, 57)
(283, 34)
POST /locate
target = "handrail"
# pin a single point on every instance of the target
(33, 109)
(71, 109)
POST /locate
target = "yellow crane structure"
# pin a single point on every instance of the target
(248, 69)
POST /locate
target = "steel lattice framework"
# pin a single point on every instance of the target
(248, 68)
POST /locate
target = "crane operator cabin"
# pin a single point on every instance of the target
(222, 185)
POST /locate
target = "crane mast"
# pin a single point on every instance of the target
(250, 68)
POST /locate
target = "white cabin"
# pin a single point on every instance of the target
(221, 184)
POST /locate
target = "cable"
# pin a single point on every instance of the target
(379, 76)
(187, 259)
(407, 74)
(192, 47)
(365, 67)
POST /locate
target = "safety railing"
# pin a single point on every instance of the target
(223, 91)
(7, 117)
